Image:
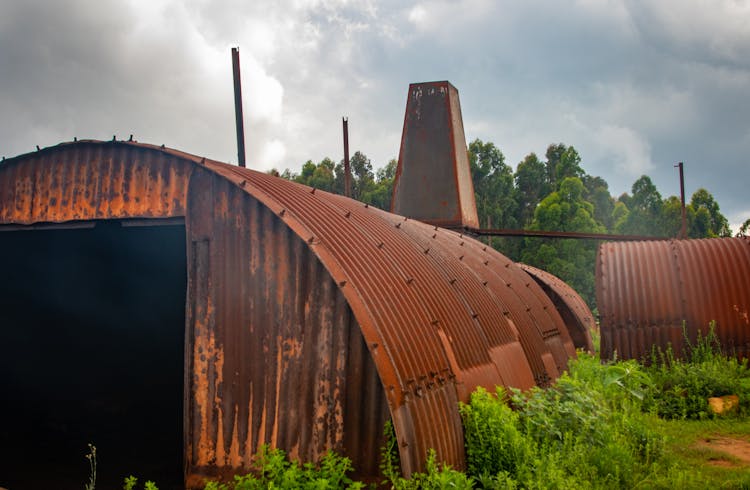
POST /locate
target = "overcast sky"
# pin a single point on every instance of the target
(635, 86)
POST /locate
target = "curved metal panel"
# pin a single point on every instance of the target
(646, 291)
(572, 308)
(92, 180)
(285, 363)
(439, 313)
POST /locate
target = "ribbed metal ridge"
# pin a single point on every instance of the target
(646, 291)
(439, 313)
(575, 312)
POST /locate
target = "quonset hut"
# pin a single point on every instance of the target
(175, 309)
(658, 293)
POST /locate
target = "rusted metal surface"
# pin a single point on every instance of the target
(646, 291)
(406, 294)
(572, 308)
(311, 318)
(683, 217)
(347, 168)
(239, 119)
(277, 356)
(77, 182)
(433, 181)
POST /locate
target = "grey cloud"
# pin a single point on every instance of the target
(628, 83)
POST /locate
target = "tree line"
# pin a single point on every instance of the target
(550, 194)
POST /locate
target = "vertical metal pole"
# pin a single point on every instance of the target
(347, 169)
(238, 106)
(489, 226)
(683, 228)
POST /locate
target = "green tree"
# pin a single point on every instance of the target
(531, 187)
(562, 162)
(672, 216)
(645, 208)
(708, 221)
(495, 193)
(744, 228)
(308, 169)
(322, 178)
(381, 193)
(597, 193)
(619, 215)
(363, 179)
(570, 260)
(493, 186)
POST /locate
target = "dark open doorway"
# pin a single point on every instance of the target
(92, 350)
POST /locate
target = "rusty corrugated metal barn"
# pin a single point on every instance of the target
(647, 291)
(151, 291)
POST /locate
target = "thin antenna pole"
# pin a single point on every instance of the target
(347, 169)
(683, 228)
(238, 107)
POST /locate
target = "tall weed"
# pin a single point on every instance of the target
(683, 386)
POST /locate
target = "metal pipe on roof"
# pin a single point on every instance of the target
(683, 227)
(556, 234)
(238, 107)
(347, 168)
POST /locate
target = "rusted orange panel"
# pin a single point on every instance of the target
(574, 311)
(278, 357)
(433, 182)
(89, 181)
(647, 290)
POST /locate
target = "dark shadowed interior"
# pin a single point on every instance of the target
(92, 338)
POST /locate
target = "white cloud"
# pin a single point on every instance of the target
(271, 156)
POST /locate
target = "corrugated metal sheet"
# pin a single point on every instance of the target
(572, 308)
(646, 290)
(309, 314)
(277, 356)
(92, 181)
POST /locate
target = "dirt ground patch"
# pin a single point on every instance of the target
(738, 448)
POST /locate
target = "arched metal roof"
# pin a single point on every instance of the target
(575, 312)
(441, 313)
(645, 291)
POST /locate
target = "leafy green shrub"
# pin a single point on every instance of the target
(131, 481)
(682, 386)
(585, 431)
(275, 470)
(494, 441)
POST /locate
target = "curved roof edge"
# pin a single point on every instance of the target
(575, 312)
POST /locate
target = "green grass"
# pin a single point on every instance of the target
(686, 449)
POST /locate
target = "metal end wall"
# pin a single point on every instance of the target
(311, 317)
(72, 182)
(646, 290)
(433, 181)
(572, 308)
